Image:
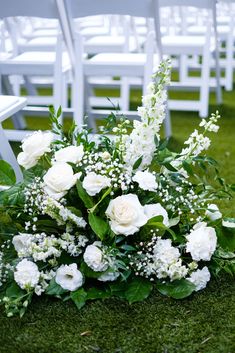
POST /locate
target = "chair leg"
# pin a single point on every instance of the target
(8, 155)
(167, 122)
(205, 88)
(229, 64)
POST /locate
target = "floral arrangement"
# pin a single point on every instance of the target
(115, 215)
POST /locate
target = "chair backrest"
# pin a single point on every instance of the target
(42, 8)
(134, 8)
(200, 4)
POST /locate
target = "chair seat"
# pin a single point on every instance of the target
(110, 44)
(180, 44)
(22, 64)
(124, 64)
(39, 44)
(9, 105)
(47, 32)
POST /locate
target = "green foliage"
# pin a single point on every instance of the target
(87, 200)
(55, 289)
(178, 289)
(137, 290)
(7, 174)
(98, 225)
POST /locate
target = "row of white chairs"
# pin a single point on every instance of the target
(61, 50)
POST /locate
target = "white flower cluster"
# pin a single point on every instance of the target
(211, 124)
(161, 260)
(34, 197)
(43, 247)
(141, 142)
(62, 214)
(102, 172)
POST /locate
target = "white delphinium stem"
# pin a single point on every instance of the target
(152, 114)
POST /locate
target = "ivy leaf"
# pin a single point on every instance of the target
(55, 289)
(98, 225)
(7, 174)
(226, 237)
(138, 289)
(14, 291)
(87, 199)
(178, 289)
(79, 297)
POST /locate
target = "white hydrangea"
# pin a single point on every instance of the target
(146, 180)
(69, 277)
(165, 252)
(213, 212)
(94, 257)
(34, 147)
(200, 278)
(201, 242)
(93, 183)
(27, 274)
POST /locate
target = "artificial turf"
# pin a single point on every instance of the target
(203, 323)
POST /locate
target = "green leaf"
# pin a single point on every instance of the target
(13, 196)
(138, 289)
(118, 289)
(87, 199)
(163, 144)
(14, 291)
(55, 289)
(137, 163)
(88, 272)
(98, 225)
(226, 238)
(156, 222)
(7, 174)
(186, 165)
(178, 289)
(174, 221)
(79, 297)
(97, 293)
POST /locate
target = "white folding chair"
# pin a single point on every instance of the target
(55, 64)
(201, 46)
(120, 64)
(9, 105)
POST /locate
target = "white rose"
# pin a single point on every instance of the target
(109, 276)
(94, 258)
(200, 278)
(155, 210)
(69, 277)
(72, 154)
(93, 183)
(126, 214)
(201, 242)
(213, 216)
(21, 243)
(27, 274)
(146, 180)
(34, 147)
(59, 179)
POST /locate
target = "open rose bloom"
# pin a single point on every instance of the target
(115, 217)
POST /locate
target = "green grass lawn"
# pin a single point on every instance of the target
(204, 323)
